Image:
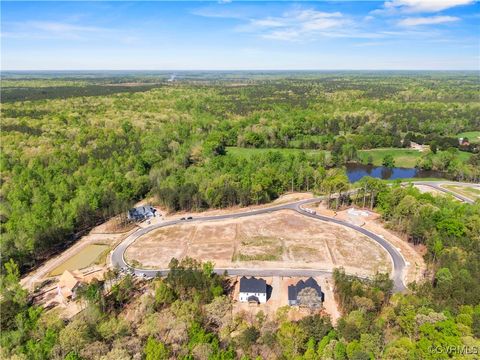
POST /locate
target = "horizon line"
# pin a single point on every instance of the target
(170, 70)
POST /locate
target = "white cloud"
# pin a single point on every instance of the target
(63, 30)
(412, 6)
(371, 43)
(222, 12)
(59, 27)
(305, 24)
(267, 23)
(416, 21)
(296, 25)
(52, 30)
(288, 35)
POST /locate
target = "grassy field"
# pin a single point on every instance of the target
(414, 179)
(259, 248)
(473, 136)
(406, 158)
(470, 192)
(464, 156)
(403, 157)
(247, 152)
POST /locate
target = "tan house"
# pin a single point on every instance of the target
(68, 284)
(70, 281)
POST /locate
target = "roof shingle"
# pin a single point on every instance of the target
(253, 285)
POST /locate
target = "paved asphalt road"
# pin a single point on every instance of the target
(118, 259)
(437, 185)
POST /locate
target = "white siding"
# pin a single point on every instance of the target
(243, 297)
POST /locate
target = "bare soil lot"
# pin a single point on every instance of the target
(279, 299)
(370, 220)
(281, 239)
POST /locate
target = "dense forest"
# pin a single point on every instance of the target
(69, 163)
(77, 150)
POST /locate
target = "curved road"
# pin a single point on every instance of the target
(437, 186)
(118, 259)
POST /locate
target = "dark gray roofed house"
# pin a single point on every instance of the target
(141, 213)
(306, 293)
(253, 290)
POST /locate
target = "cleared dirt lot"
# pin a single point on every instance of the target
(282, 239)
(415, 265)
(279, 298)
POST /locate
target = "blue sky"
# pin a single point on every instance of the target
(392, 34)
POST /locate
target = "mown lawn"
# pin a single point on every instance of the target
(470, 192)
(464, 156)
(247, 152)
(473, 136)
(403, 157)
(407, 180)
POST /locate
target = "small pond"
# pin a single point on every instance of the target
(357, 171)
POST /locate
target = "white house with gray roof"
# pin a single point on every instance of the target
(253, 290)
(141, 213)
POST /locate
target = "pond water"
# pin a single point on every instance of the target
(357, 171)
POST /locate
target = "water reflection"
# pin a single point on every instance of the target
(356, 171)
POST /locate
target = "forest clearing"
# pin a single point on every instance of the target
(282, 239)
